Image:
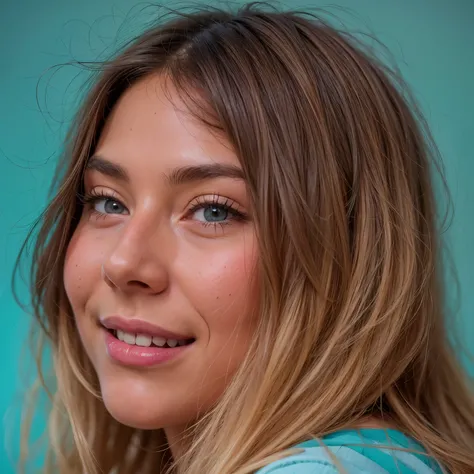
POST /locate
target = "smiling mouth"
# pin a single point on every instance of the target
(146, 340)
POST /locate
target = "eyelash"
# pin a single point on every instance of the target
(200, 202)
(90, 198)
(227, 204)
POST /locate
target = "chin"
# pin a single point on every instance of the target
(139, 421)
(142, 405)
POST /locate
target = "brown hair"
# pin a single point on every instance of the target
(338, 164)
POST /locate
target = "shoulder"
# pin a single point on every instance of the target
(374, 452)
(320, 460)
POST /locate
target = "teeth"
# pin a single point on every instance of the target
(145, 340)
(129, 338)
(159, 341)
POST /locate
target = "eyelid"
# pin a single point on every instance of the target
(89, 198)
(95, 194)
(216, 198)
(235, 210)
(235, 213)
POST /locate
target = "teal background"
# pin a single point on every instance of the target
(432, 43)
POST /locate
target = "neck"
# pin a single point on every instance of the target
(176, 438)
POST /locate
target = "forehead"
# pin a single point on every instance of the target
(151, 125)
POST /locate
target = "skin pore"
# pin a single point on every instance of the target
(166, 236)
(149, 221)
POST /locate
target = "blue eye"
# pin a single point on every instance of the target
(208, 211)
(215, 211)
(212, 213)
(103, 204)
(108, 206)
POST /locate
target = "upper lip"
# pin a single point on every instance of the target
(138, 326)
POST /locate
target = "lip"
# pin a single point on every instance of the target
(137, 356)
(138, 326)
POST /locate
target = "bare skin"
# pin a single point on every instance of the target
(141, 251)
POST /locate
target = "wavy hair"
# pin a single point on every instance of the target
(338, 162)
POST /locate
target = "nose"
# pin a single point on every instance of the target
(135, 266)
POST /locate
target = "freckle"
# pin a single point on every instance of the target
(131, 129)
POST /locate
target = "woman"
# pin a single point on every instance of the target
(239, 269)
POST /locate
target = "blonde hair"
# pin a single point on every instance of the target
(338, 162)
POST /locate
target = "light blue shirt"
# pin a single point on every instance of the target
(373, 451)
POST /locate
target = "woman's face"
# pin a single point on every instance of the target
(159, 270)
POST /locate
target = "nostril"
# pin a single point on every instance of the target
(138, 283)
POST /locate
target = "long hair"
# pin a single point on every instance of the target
(338, 163)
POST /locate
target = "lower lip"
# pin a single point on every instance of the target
(139, 356)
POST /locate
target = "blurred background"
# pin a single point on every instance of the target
(431, 42)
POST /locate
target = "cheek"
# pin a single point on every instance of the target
(73, 272)
(225, 292)
(82, 269)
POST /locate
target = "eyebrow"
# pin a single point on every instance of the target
(177, 176)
